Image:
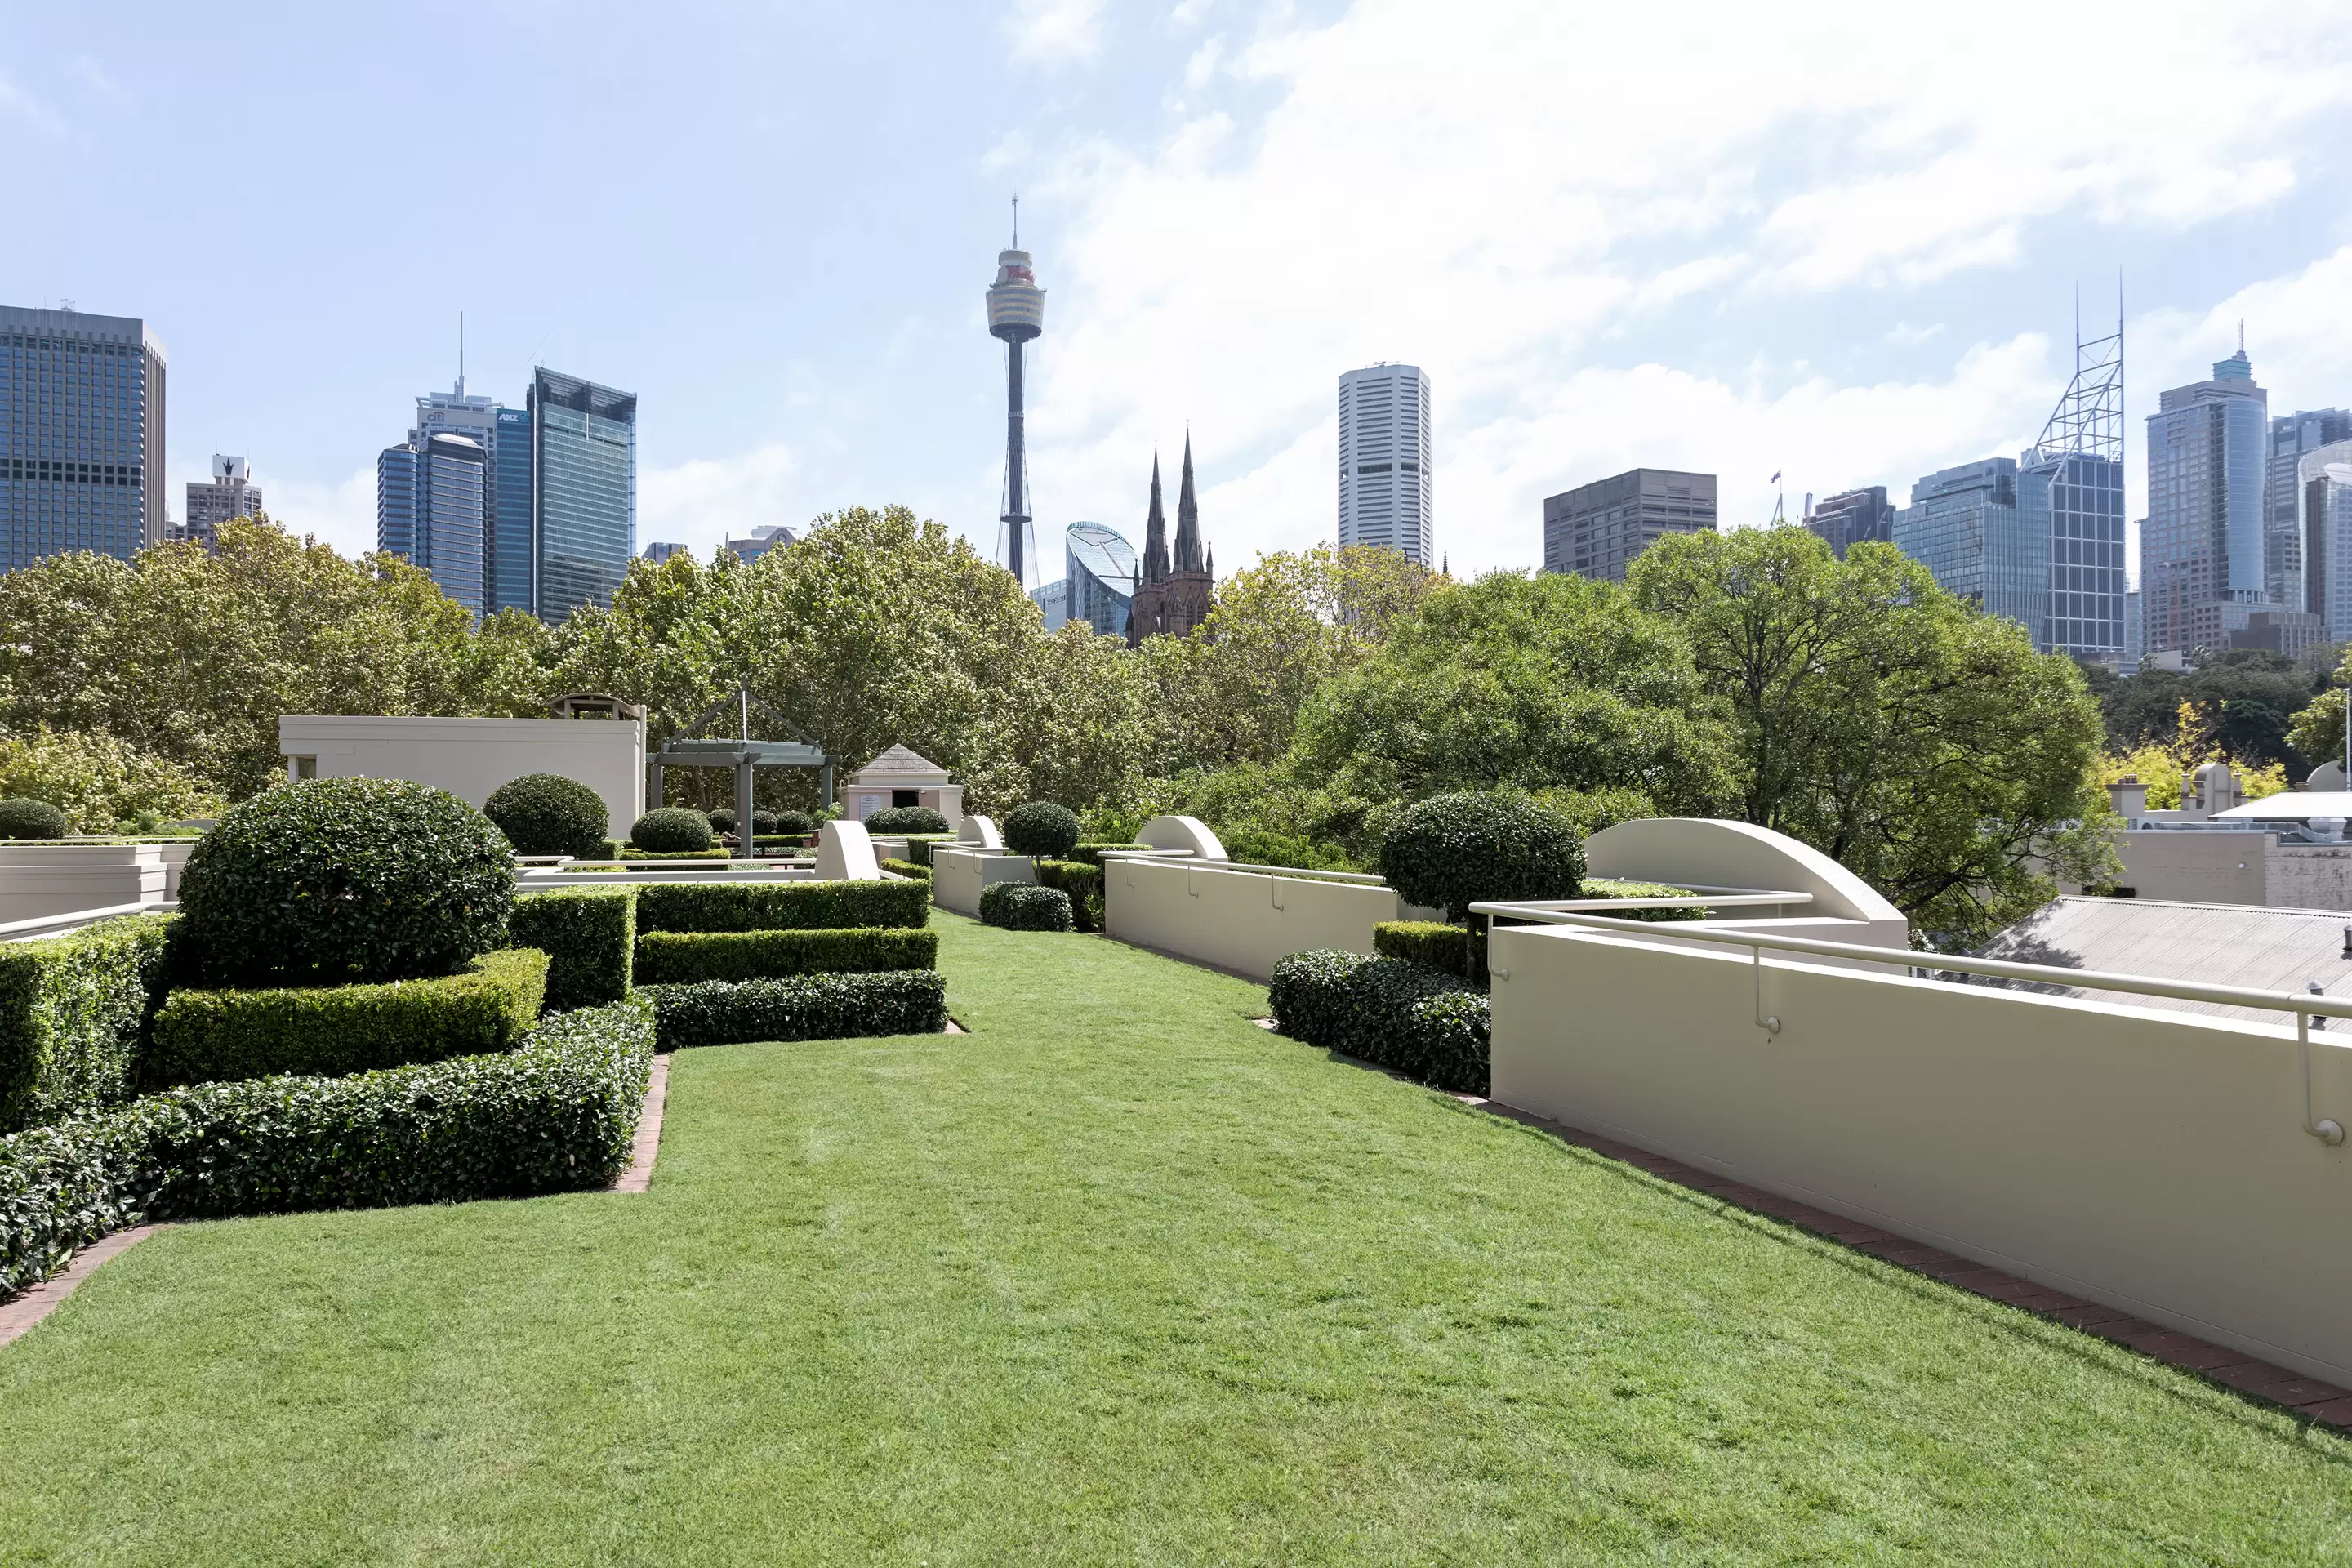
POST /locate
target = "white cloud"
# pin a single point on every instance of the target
(1480, 189)
(343, 515)
(703, 502)
(1052, 32)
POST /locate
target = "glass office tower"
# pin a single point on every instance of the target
(2202, 561)
(584, 518)
(1983, 531)
(81, 435)
(511, 585)
(2085, 613)
(1100, 568)
(432, 506)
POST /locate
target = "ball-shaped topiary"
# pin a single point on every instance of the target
(1452, 851)
(906, 819)
(547, 814)
(344, 881)
(1024, 906)
(722, 820)
(763, 823)
(31, 819)
(1043, 829)
(671, 830)
(792, 822)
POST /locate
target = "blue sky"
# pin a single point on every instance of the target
(1838, 241)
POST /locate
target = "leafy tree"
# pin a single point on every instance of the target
(1073, 726)
(102, 784)
(2252, 694)
(1924, 745)
(2165, 766)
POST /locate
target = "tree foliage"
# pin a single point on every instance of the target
(1922, 744)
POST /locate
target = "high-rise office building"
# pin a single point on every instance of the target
(81, 435)
(433, 507)
(230, 493)
(584, 499)
(1596, 529)
(2292, 436)
(1385, 492)
(660, 551)
(513, 562)
(1851, 518)
(2203, 566)
(1982, 529)
(2324, 519)
(762, 540)
(2075, 471)
(1100, 568)
(1053, 602)
(2135, 632)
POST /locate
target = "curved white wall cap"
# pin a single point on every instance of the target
(1182, 833)
(2328, 778)
(1714, 853)
(980, 830)
(846, 854)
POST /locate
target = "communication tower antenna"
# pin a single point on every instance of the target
(1016, 315)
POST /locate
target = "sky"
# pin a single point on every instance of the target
(1842, 243)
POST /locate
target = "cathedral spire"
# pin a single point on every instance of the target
(1155, 532)
(1188, 517)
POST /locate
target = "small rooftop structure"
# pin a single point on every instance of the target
(2291, 806)
(899, 777)
(2210, 944)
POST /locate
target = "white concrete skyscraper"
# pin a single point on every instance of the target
(1384, 492)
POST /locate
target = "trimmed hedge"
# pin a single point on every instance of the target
(804, 1007)
(200, 1037)
(1091, 851)
(72, 1009)
(1430, 943)
(1043, 829)
(1430, 1026)
(1451, 851)
(895, 819)
(631, 852)
(589, 934)
(1081, 882)
(670, 830)
(548, 813)
(919, 846)
(677, 957)
(907, 869)
(1617, 888)
(22, 818)
(558, 1115)
(784, 906)
(1025, 906)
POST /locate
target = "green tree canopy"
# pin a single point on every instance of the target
(1924, 745)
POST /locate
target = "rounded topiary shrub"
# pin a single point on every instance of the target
(547, 814)
(722, 820)
(1024, 906)
(342, 881)
(763, 823)
(1043, 829)
(671, 830)
(1452, 851)
(793, 822)
(31, 819)
(906, 819)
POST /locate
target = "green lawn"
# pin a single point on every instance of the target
(1116, 1277)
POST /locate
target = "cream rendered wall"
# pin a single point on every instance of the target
(2197, 868)
(959, 875)
(2155, 1162)
(58, 879)
(471, 757)
(1247, 921)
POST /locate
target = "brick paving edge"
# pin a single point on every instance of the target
(17, 1317)
(643, 1149)
(2308, 1398)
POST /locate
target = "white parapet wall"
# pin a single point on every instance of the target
(1247, 921)
(471, 757)
(959, 875)
(38, 881)
(2155, 1162)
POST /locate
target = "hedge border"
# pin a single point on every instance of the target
(784, 906)
(802, 1008)
(675, 957)
(72, 1014)
(590, 935)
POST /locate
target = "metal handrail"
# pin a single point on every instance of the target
(2304, 1006)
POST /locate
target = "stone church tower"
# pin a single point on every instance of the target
(1172, 595)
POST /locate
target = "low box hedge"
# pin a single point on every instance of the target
(1430, 1026)
(558, 1114)
(72, 1009)
(784, 906)
(802, 1008)
(678, 957)
(907, 869)
(200, 1037)
(1091, 850)
(630, 852)
(589, 934)
(919, 846)
(1616, 888)
(1430, 943)
(1025, 906)
(1081, 882)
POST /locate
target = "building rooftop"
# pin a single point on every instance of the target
(2209, 944)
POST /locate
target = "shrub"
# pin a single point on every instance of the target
(722, 820)
(61, 1188)
(1615, 887)
(31, 819)
(1429, 942)
(762, 822)
(906, 819)
(72, 1009)
(677, 957)
(804, 1007)
(783, 905)
(1452, 851)
(1043, 829)
(202, 1035)
(547, 814)
(1092, 853)
(671, 830)
(1024, 906)
(1430, 1026)
(793, 824)
(340, 880)
(907, 869)
(590, 935)
(1253, 847)
(102, 784)
(920, 845)
(1082, 883)
(716, 853)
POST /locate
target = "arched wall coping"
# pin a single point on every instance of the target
(1712, 852)
(1182, 833)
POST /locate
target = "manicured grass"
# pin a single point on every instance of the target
(1116, 1277)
